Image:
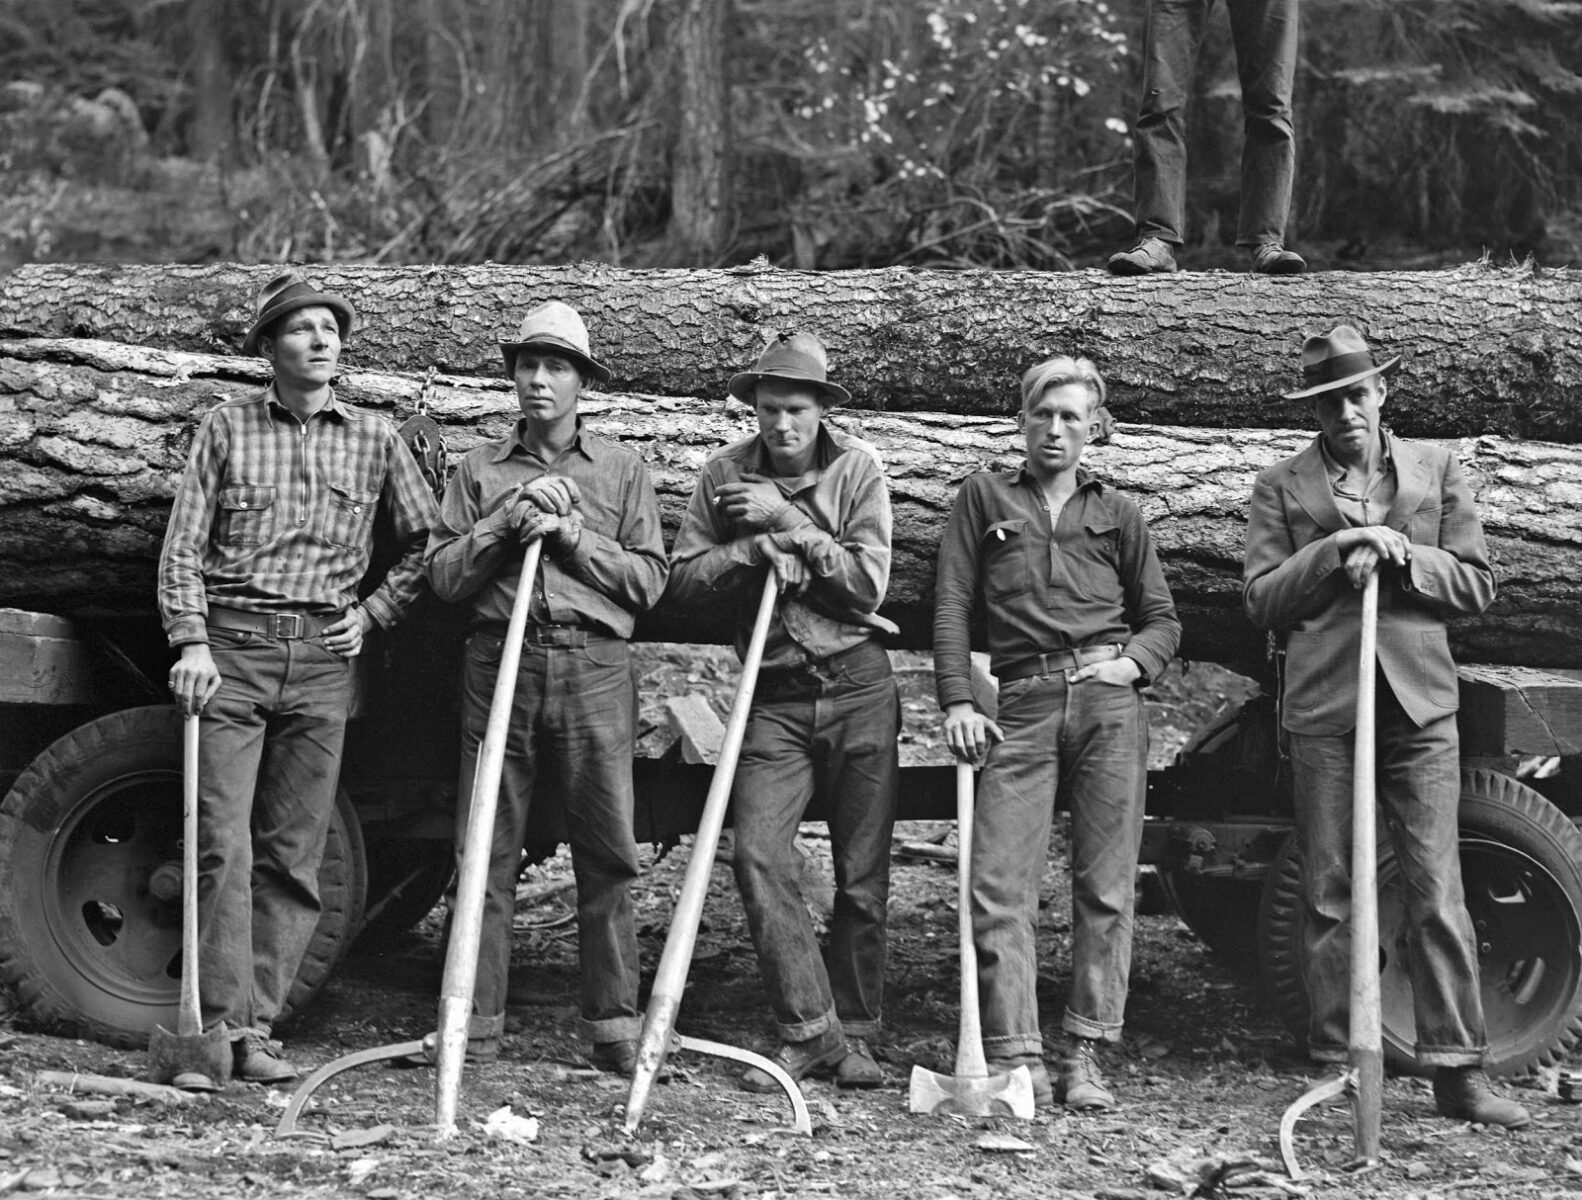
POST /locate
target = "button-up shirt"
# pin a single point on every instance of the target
(1369, 504)
(275, 514)
(617, 569)
(839, 523)
(1089, 578)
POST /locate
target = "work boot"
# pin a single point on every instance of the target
(1081, 1078)
(1043, 1089)
(479, 1050)
(258, 1060)
(1463, 1094)
(1272, 258)
(858, 1069)
(1150, 256)
(798, 1060)
(618, 1058)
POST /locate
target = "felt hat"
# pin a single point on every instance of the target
(1336, 359)
(557, 328)
(288, 292)
(794, 356)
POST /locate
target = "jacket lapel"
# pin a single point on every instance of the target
(1311, 489)
(1411, 483)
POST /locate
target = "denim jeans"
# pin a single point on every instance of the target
(571, 735)
(1419, 789)
(1088, 742)
(269, 758)
(828, 731)
(1264, 33)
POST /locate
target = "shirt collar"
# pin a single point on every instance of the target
(514, 443)
(825, 451)
(1085, 480)
(332, 406)
(1386, 459)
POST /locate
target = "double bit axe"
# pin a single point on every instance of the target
(1363, 1079)
(664, 1001)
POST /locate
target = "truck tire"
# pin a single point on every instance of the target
(407, 877)
(86, 946)
(1521, 864)
(1223, 912)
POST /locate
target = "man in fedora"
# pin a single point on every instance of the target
(809, 503)
(551, 478)
(1357, 500)
(269, 538)
(1078, 619)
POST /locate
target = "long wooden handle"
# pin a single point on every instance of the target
(664, 1001)
(189, 1018)
(1365, 1050)
(970, 1062)
(461, 960)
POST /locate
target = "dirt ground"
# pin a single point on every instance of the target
(1203, 1076)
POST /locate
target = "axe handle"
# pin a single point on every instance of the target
(970, 1063)
(670, 979)
(1366, 1043)
(461, 960)
(188, 1017)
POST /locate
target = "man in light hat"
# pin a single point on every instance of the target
(269, 538)
(1359, 499)
(1078, 618)
(809, 503)
(551, 478)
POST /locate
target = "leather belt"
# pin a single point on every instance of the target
(286, 626)
(572, 636)
(1058, 660)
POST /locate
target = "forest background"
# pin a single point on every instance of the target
(817, 133)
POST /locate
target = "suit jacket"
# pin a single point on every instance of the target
(1293, 581)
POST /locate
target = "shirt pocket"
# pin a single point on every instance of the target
(1093, 564)
(247, 515)
(351, 512)
(1006, 570)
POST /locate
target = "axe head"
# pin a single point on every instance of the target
(997, 1095)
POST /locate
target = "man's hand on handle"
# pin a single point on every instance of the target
(969, 733)
(1367, 547)
(790, 571)
(194, 678)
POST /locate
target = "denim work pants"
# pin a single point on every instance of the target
(1419, 789)
(830, 731)
(1264, 33)
(269, 760)
(1088, 742)
(571, 734)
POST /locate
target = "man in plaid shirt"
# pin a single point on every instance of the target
(269, 537)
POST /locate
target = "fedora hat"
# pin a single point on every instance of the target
(795, 356)
(1336, 359)
(288, 292)
(557, 328)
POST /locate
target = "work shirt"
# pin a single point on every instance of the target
(275, 514)
(1090, 579)
(1370, 504)
(839, 523)
(617, 570)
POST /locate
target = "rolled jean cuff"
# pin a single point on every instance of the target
(610, 1029)
(1450, 1056)
(1089, 1028)
(1014, 1046)
(804, 1030)
(862, 1029)
(1329, 1055)
(479, 1026)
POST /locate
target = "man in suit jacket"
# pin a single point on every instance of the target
(1358, 500)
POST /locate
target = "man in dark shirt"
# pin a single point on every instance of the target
(270, 534)
(1078, 619)
(809, 503)
(571, 731)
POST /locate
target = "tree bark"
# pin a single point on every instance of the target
(93, 437)
(1487, 350)
(698, 157)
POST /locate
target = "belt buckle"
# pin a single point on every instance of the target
(286, 626)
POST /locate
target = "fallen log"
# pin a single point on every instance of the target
(93, 436)
(1489, 350)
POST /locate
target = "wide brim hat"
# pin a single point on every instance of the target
(1337, 359)
(286, 293)
(557, 328)
(795, 356)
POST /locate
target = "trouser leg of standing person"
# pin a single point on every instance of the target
(1010, 845)
(1264, 33)
(297, 782)
(856, 758)
(1104, 753)
(1171, 36)
(589, 718)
